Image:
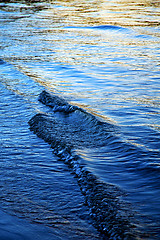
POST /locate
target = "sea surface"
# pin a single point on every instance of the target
(103, 59)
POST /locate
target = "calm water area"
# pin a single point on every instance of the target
(104, 57)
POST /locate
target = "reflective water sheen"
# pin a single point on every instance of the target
(104, 57)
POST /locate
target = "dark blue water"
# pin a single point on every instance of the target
(102, 57)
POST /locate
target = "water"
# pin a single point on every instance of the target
(102, 57)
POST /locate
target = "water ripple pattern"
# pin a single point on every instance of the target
(100, 61)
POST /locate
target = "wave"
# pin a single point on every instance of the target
(75, 125)
(78, 128)
(102, 199)
(56, 103)
(82, 129)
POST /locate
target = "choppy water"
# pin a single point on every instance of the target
(102, 57)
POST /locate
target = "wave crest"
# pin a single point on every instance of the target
(110, 214)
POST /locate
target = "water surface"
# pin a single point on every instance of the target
(100, 56)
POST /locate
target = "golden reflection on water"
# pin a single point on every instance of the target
(63, 32)
(71, 50)
(131, 13)
(102, 12)
(121, 12)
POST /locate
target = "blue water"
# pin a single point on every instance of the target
(104, 58)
